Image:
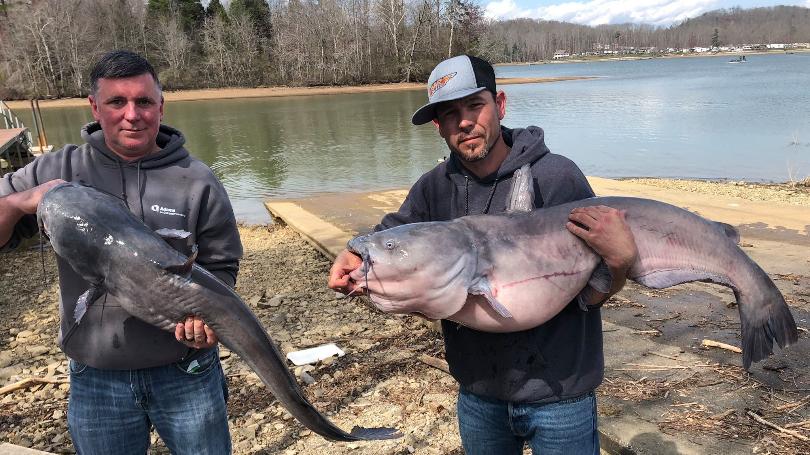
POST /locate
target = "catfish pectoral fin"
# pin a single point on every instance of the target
(86, 299)
(483, 287)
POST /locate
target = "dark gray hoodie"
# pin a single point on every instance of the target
(166, 189)
(557, 360)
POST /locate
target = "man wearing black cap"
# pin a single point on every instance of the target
(535, 386)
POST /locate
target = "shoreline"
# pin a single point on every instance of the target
(282, 91)
(634, 57)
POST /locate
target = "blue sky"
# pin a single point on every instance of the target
(595, 12)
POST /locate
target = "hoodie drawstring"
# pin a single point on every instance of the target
(123, 184)
(140, 192)
(124, 188)
(467, 196)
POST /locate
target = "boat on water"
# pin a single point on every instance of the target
(740, 59)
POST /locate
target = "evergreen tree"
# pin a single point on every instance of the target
(716, 38)
(259, 13)
(190, 12)
(215, 9)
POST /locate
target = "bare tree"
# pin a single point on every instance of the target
(173, 49)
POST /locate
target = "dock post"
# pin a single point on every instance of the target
(44, 143)
(36, 124)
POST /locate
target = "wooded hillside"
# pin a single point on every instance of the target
(48, 46)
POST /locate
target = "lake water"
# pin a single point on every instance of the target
(697, 117)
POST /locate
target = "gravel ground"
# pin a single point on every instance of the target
(379, 382)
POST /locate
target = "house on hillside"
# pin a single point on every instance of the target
(558, 54)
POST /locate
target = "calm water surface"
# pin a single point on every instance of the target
(690, 117)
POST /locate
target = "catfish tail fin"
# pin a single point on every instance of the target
(765, 318)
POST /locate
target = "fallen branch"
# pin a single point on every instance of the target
(664, 356)
(722, 415)
(759, 419)
(795, 405)
(692, 403)
(647, 332)
(798, 424)
(716, 344)
(31, 381)
(439, 364)
(674, 316)
(666, 367)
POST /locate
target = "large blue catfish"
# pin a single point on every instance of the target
(117, 253)
(526, 267)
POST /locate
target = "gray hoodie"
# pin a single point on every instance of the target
(558, 360)
(166, 189)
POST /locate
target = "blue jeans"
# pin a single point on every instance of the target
(112, 411)
(494, 427)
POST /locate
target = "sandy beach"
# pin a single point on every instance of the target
(264, 92)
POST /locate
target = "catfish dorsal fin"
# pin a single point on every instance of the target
(185, 268)
(521, 196)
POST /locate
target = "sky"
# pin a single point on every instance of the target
(596, 12)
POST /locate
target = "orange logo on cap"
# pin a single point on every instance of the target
(440, 82)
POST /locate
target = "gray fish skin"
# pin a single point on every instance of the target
(527, 267)
(112, 249)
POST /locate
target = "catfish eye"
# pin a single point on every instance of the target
(389, 245)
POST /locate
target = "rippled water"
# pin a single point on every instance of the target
(691, 117)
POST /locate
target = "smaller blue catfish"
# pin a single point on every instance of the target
(117, 253)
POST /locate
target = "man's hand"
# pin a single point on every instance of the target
(27, 201)
(194, 333)
(605, 230)
(16, 205)
(339, 279)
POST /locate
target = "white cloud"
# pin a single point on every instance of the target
(595, 12)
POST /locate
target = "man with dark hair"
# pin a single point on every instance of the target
(125, 375)
(535, 386)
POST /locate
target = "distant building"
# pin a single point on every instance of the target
(561, 54)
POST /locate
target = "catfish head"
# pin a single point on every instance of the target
(422, 268)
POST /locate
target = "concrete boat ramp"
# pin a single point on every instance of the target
(664, 392)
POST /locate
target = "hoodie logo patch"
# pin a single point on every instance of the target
(440, 82)
(166, 211)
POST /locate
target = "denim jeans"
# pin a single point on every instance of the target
(494, 427)
(112, 411)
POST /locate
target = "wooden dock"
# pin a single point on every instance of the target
(14, 151)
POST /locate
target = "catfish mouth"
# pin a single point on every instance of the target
(360, 274)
